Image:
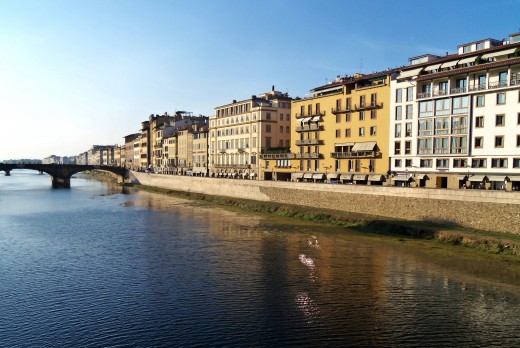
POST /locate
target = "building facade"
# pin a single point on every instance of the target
(455, 119)
(242, 130)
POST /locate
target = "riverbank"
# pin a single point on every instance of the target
(493, 243)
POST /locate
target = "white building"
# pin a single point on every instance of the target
(455, 120)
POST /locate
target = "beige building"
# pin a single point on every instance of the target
(242, 130)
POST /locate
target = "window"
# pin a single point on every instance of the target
(425, 127)
(338, 118)
(408, 130)
(466, 49)
(424, 146)
(407, 147)
(347, 118)
(442, 107)
(361, 131)
(426, 108)
(397, 148)
(499, 141)
(399, 113)
(441, 146)
(268, 128)
(442, 125)
(361, 115)
(518, 119)
(479, 142)
(459, 124)
(268, 116)
(460, 105)
(479, 121)
(443, 88)
(478, 163)
(501, 98)
(500, 120)
(425, 163)
(408, 163)
(518, 140)
(409, 112)
(442, 163)
(349, 103)
(362, 101)
(480, 101)
(499, 163)
(347, 133)
(373, 130)
(373, 114)
(268, 141)
(373, 99)
(399, 95)
(338, 133)
(459, 144)
(516, 162)
(409, 94)
(397, 163)
(502, 79)
(397, 130)
(459, 163)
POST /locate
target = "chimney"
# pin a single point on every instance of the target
(272, 88)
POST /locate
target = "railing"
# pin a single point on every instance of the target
(440, 92)
(300, 115)
(425, 151)
(271, 156)
(424, 95)
(306, 155)
(442, 131)
(368, 106)
(515, 81)
(441, 151)
(237, 166)
(479, 87)
(498, 84)
(309, 142)
(312, 127)
(341, 111)
(353, 154)
(458, 90)
(425, 132)
(459, 130)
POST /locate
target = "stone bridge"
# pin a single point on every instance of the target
(61, 173)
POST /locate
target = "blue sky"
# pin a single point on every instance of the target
(78, 73)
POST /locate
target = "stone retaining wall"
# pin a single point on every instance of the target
(496, 211)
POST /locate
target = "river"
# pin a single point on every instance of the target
(92, 266)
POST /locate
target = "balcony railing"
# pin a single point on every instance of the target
(497, 84)
(368, 106)
(440, 92)
(237, 166)
(312, 127)
(424, 95)
(301, 115)
(459, 130)
(458, 90)
(515, 81)
(354, 154)
(346, 110)
(425, 151)
(275, 156)
(306, 155)
(300, 142)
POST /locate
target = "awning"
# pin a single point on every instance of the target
(305, 119)
(432, 67)
(376, 177)
(297, 176)
(422, 176)
(477, 178)
(500, 53)
(409, 73)
(449, 64)
(513, 177)
(401, 177)
(360, 177)
(344, 144)
(496, 178)
(461, 177)
(318, 176)
(307, 176)
(315, 119)
(345, 177)
(468, 60)
(368, 146)
(333, 176)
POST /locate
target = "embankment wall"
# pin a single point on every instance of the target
(495, 211)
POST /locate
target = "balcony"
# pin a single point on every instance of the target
(309, 142)
(424, 95)
(306, 155)
(354, 154)
(440, 92)
(368, 106)
(309, 128)
(478, 87)
(346, 110)
(317, 113)
(276, 156)
(497, 84)
(458, 90)
(232, 166)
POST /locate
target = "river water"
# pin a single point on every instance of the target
(92, 266)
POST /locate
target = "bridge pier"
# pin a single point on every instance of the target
(7, 172)
(60, 182)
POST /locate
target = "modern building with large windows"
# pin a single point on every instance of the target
(455, 119)
(242, 130)
(340, 133)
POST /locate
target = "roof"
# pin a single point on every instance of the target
(352, 79)
(469, 69)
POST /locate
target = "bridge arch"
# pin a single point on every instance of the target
(61, 173)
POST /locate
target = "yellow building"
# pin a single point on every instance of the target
(341, 133)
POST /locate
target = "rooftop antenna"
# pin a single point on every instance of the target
(361, 66)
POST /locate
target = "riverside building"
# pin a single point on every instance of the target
(242, 130)
(455, 119)
(340, 133)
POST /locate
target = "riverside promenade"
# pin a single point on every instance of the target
(495, 211)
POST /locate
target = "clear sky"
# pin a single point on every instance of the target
(77, 73)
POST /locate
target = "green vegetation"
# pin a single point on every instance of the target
(496, 243)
